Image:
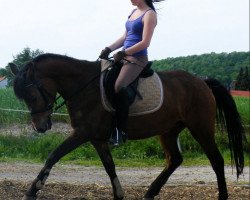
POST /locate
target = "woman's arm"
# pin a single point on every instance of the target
(149, 21)
(118, 43)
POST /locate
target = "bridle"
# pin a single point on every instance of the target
(45, 95)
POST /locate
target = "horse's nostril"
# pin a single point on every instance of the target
(41, 130)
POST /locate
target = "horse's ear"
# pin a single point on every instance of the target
(14, 69)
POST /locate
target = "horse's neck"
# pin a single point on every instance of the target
(69, 76)
(67, 69)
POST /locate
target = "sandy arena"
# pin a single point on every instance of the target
(74, 182)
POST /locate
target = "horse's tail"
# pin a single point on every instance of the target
(229, 117)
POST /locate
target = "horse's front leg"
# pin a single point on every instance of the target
(104, 152)
(71, 143)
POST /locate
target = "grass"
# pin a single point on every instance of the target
(9, 101)
(135, 153)
(243, 106)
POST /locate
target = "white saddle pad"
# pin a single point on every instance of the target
(151, 91)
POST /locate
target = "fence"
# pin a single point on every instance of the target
(26, 111)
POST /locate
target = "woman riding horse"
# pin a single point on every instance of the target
(188, 103)
(135, 41)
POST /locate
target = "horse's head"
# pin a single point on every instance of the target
(37, 92)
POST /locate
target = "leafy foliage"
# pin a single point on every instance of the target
(243, 80)
(223, 66)
(20, 59)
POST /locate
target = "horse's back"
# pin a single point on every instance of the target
(182, 77)
(179, 82)
(187, 94)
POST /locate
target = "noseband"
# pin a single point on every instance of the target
(47, 96)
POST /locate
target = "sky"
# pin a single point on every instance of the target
(82, 28)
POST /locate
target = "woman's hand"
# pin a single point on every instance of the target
(119, 56)
(105, 53)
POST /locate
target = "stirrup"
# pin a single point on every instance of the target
(118, 137)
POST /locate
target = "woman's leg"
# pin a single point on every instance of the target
(128, 74)
(130, 71)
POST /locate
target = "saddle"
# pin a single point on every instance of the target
(111, 76)
(147, 86)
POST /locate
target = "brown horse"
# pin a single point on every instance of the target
(188, 103)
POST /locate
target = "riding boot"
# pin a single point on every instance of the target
(118, 135)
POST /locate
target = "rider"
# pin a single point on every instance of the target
(135, 41)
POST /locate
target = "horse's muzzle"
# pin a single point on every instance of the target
(42, 128)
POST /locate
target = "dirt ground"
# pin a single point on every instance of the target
(75, 182)
(54, 191)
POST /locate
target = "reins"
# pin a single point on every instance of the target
(87, 84)
(45, 93)
(78, 91)
(134, 63)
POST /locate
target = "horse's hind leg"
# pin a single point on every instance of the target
(104, 152)
(205, 137)
(174, 158)
(71, 143)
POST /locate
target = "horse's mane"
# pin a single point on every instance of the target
(21, 80)
(48, 56)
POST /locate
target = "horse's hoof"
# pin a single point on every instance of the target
(223, 198)
(28, 198)
(120, 198)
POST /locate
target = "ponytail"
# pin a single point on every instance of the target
(150, 3)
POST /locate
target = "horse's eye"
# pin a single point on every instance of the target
(33, 99)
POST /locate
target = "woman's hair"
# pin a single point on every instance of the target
(150, 3)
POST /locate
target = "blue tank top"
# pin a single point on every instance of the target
(134, 30)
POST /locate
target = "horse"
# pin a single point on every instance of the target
(189, 102)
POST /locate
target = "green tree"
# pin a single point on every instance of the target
(3, 72)
(238, 84)
(223, 66)
(246, 80)
(20, 59)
